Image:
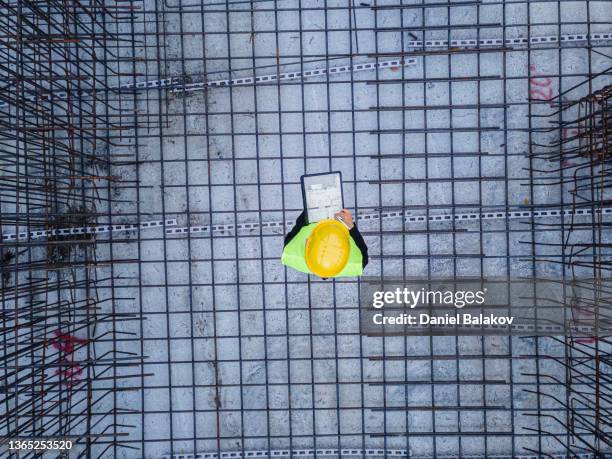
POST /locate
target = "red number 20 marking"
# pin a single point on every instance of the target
(540, 88)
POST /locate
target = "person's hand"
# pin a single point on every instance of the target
(346, 217)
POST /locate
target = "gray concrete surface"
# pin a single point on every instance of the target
(285, 351)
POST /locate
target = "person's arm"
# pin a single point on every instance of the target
(360, 243)
(299, 224)
(347, 218)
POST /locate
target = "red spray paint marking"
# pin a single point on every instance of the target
(69, 372)
(583, 315)
(585, 340)
(65, 342)
(567, 133)
(540, 88)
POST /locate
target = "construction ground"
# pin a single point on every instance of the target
(151, 154)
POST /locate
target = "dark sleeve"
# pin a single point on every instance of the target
(299, 224)
(358, 238)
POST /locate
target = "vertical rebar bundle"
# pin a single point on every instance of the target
(58, 372)
(578, 157)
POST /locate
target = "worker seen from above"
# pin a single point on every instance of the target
(328, 248)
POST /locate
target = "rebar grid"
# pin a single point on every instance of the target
(580, 155)
(59, 118)
(246, 357)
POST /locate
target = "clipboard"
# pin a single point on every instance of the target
(322, 194)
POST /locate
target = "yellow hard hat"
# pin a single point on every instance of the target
(327, 248)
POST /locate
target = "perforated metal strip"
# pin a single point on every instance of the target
(163, 83)
(174, 82)
(169, 223)
(344, 453)
(519, 41)
(396, 214)
(63, 95)
(295, 75)
(39, 234)
(483, 215)
(524, 41)
(293, 453)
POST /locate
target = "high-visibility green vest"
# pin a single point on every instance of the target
(293, 255)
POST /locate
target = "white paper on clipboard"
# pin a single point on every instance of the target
(323, 196)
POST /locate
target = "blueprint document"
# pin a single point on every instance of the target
(322, 195)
